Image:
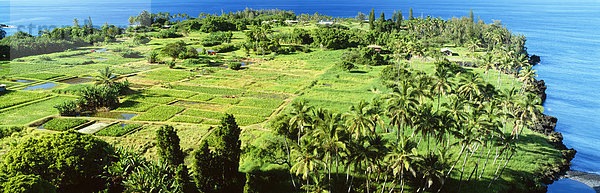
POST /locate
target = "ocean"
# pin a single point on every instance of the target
(564, 34)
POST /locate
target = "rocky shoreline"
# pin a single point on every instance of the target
(546, 125)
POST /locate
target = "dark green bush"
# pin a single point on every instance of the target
(72, 161)
(235, 65)
(67, 108)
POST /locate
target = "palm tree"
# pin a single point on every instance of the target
(431, 167)
(470, 86)
(442, 83)
(488, 63)
(400, 105)
(299, 116)
(306, 163)
(509, 145)
(528, 110)
(105, 77)
(400, 159)
(527, 76)
(327, 133)
(358, 119)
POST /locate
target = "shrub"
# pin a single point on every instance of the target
(168, 34)
(190, 52)
(170, 64)
(27, 184)
(140, 39)
(195, 62)
(117, 130)
(152, 57)
(6, 131)
(67, 108)
(72, 161)
(235, 65)
(131, 54)
(224, 48)
(345, 65)
(63, 124)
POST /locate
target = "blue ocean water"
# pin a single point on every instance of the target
(564, 34)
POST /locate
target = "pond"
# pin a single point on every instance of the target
(102, 59)
(115, 115)
(23, 81)
(41, 86)
(246, 63)
(76, 80)
(101, 50)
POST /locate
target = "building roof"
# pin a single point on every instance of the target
(2, 85)
(446, 50)
(374, 46)
(325, 23)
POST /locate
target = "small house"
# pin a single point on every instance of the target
(325, 23)
(211, 52)
(375, 47)
(166, 27)
(2, 88)
(446, 51)
(291, 21)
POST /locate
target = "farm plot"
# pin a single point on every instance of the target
(117, 130)
(63, 124)
(159, 113)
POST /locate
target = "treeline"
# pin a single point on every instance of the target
(103, 168)
(22, 44)
(409, 139)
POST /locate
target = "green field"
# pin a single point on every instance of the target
(193, 98)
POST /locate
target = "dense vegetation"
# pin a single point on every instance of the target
(350, 108)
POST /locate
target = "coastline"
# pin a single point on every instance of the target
(547, 125)
(589, 179)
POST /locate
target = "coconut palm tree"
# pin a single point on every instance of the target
(401, 158)
(442, 83)
(105, 77)
(327, 133)
(431, 169)
(488, 63)
(358, 119)
(527, 76)
(307, 163)
(470, 86)
(299, 116)
(400, 105)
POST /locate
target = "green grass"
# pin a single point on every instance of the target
(205, 114)
(12, 98)
(209, 90)
(26, 114)
(248, 120)
(261, 103)
(134, 106)
(159, 113)
(60, 124)
(259, 112)
(187, 119)
(168, 75)
(41, 76)
(201, 97)
(225, 101)
(117, 130)
(168, 92)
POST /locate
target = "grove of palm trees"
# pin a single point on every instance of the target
(270, 101)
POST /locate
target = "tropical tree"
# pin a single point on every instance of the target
(358, 120)
(105, 77)
(299, 116)
(400, 105)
